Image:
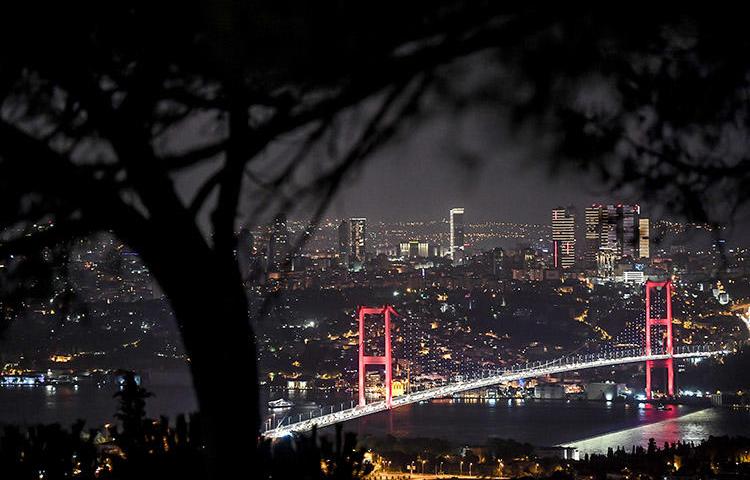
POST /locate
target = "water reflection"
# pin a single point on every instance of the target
(692, 427)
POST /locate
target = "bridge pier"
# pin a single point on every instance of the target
(385, 360)
(655, 321)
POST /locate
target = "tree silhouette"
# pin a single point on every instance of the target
(104, 108)
(131, 412)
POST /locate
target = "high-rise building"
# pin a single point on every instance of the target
(564, 237)
(597, 228)
(457, 232)
(357, 240)
(644, 238)
(612, 228)
(622, 230)
(628, 230)
(344, 246)
(278, 246)
(612, 244)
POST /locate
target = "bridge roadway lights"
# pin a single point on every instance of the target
(659, 321)
(516, 373)
(385, 360)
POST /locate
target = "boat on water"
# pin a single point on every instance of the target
(280, 403)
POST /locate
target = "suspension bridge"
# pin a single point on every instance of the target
(652, 355)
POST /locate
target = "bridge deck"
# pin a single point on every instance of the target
(561, 365)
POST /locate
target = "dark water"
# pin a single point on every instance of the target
(591, 426)
(692, 427)
(66, 404)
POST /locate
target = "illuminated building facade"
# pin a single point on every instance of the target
(597, 228)
(628, 229)
(644, 238)
(457, 232)
(278, 246)
(357, 241)
(564, 237)
(614, 232)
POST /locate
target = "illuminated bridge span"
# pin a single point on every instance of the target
(487, 379)
(659, 351)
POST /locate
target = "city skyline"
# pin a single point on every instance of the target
(373, 241)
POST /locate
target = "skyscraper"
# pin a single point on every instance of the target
(644, 238)
(278, 246)
(357, 240)
(616, 227)
(564, 237)
(344, 245)
(597, 228)
(457, 231)
(628, 229)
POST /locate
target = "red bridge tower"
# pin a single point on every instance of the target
(384, 360)
(665, 321)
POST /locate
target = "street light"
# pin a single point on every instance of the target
(423, 462)
(461, 468)
(470, 464)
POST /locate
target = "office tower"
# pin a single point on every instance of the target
(357, 240)
(597, 228)
(612, 242)
(564, 237)
(644, 238)
(628, 230)
(344, 246)
(618, 229)
(278, 245)
(457, 232)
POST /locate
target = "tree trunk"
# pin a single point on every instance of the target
(212, 314)
(217, 337)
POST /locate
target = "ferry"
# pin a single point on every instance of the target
(280, 403)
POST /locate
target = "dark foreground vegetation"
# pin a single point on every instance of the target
(143, 448)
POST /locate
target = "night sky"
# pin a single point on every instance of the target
(507, 177)
(423, 175)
